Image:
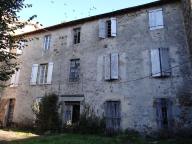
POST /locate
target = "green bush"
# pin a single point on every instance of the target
(47, 118)
(90, 122)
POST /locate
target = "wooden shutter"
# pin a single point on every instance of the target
(49, 73)
(102, 29)
(48, 41)
(34, 74)
(159, 116)
(113, 27)
(114, 66)
(151, 20)
(156, 19)
(165, 65)
(170, 113)
(155, 63)
(107, 70)
(159, 18)
(45, 43)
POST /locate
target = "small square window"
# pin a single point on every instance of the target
(77, 35)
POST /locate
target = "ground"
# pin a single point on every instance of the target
(15, 137)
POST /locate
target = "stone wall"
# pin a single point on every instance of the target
(187, 12)
(135, 89)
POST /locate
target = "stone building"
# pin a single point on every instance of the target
(132, 66)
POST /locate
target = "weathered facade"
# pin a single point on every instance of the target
(131, 66)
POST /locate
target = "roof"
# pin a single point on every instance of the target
(100, 16)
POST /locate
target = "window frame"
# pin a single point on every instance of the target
(45, 73)
(47, 43)
(74, 73)
(77, 35)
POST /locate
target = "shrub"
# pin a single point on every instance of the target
(89, 123)
(47, 118)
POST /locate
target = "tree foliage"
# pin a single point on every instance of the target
(9, 23)
(47, 115)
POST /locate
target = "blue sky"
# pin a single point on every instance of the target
(51, 12)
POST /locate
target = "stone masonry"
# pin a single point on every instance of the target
(135, 89)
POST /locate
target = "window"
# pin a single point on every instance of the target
(77, 35)
(164, 113)
(113, 116)
(108, 28)
(71, 112)
(46, 45)
(15, 79)
(41, 74)
(156, 19)
(74, 70)
(19, 50)
(111, 66)
(160, 65)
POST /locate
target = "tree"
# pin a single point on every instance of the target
(9, 22)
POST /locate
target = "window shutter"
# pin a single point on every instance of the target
(114, 66)
(113, 27)
(107, 67)
(17, 78)
(165, 66)
(155, 63)
(169, 113)
(34, 74)
(156, 19)
(159, 117)
(102, 29)
(151, 20)
(49, 74)
(48, 41)
(159, 18)
(45, 43)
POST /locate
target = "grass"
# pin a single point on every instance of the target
(95, 139)
(72, 139)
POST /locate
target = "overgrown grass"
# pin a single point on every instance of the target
(95, 139)
(72, 139)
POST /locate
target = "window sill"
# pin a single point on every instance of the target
(156, 28)
(40, 84)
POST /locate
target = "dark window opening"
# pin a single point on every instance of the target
(164, 113)
(77, 35)
(76, 113)
(71, 112)
(108, 23)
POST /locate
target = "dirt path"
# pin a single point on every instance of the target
(11, 135)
